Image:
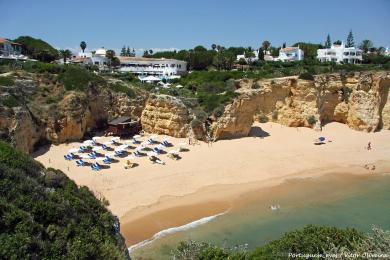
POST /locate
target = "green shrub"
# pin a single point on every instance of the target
(6, 81)
(263, 118)
(275, 115)
(10, 101)
(119, 87)
(78, 78)
(45, 215)
(345, 94)
(42, 67)
(306, 76)
(312, 120)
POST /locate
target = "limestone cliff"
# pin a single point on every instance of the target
(165, 114)
(42, 112)
(359, 100)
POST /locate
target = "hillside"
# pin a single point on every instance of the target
(44, 215)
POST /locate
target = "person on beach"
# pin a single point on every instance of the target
(190, 140)
(369, 146)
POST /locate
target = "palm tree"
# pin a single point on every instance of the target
(265, 45)
(366, 45)
(110, 55)
(83, 45)
(65, 54)
(213, 46)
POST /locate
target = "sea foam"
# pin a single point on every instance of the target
(168, 231)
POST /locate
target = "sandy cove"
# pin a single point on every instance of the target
(153, 197)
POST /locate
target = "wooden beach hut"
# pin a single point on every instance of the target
(123, 126)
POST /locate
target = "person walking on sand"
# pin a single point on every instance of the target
(190, 140)
(369, 146)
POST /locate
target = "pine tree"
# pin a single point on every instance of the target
(328, 42)
(350, 41)
(123, 51)
(128, 53)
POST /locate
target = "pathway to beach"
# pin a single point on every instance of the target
(153, 197)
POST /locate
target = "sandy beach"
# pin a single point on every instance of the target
(153, 197)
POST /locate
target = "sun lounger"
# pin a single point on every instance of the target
(156, 150)
(96, 167)
(66, 157)
(107, 161)
(80, 163)
(118, 153)
(105, 147)
(137, 153)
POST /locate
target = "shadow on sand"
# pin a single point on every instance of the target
(258, 132)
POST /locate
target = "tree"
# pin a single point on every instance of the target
(128, 52)
(37, 49)
(338, 42)
(328, 42)
(146, 53)
(200, 48)
(110, 55)
(65, 54)
(381, 50)
(123, 51)
(350, 42)
(366, 45)
(150, 51)
(83, 45)
(213, 46)
(249, 55)
(265, 45)
(261, 54)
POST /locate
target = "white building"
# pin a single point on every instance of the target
(11, 50)
(151, 66)
(267, 56)
(290, 54)
(340, 54)
(97, 58)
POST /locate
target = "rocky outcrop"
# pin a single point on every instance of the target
(165, 114)
(359, 100)
(29, 122)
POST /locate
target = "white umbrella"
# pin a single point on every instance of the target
(130, 157)
(123, 146)
(88, 142)
(115, 138)
(173, 152)
(108, 142)
(152, 154)
(182, 144)
(136, 136)
(153, 136)
(73, 150)
(165, 140)
(139, 148)
(96, 138)
(118, 149)
(160, 147)
(98, 148)
(84, 156)
(144, 143)
(110, 154)
(100, 159)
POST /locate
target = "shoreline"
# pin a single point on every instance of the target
(144, 222)
(218, 174)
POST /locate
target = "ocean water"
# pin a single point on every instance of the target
(335, 200)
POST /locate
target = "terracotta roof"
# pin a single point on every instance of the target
(6, 40)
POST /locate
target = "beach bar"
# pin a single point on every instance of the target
(123, 126)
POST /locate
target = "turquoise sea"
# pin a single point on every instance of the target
(337, 200)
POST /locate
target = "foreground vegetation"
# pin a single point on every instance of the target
(44, 215)
(320, 242)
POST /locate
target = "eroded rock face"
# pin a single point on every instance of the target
(359, 100)
(68, 120)
(165, 114)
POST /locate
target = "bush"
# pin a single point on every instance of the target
(306, 76)
(275, 115)
(45, 215)
(78, 78)
(37, 49)
(345, 94)
(119, 87)
(263, 118)
(10, 101)
(311, 120)
(42, 67)
(6, 81)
